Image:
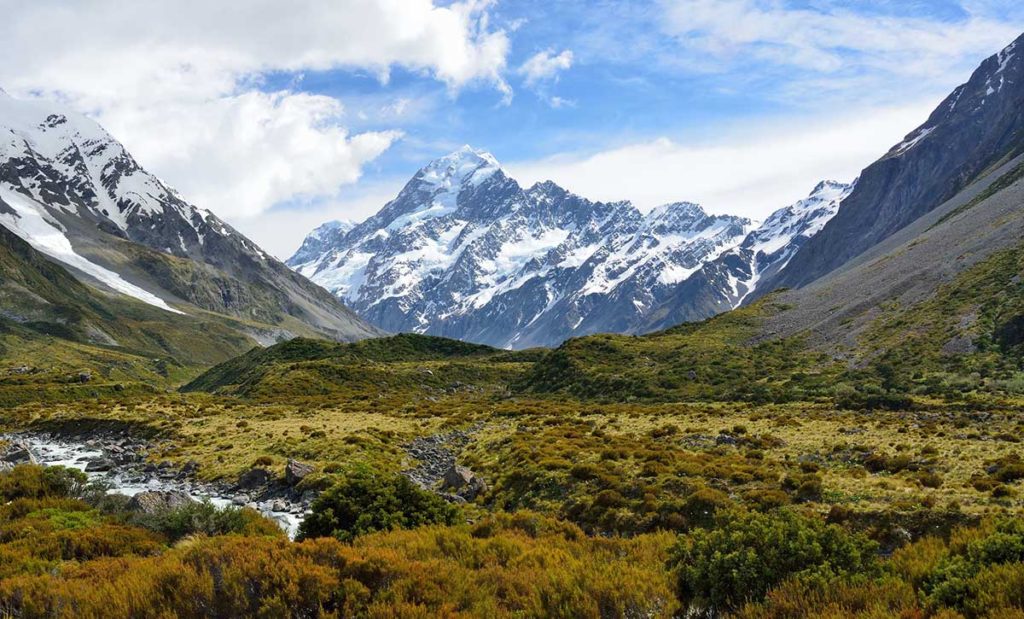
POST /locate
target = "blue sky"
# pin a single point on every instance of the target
(279, 118)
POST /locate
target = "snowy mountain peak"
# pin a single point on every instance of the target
(460, 166)
(76, 195)
(338, 226)
(547, 191)
(675, 213)
(829, 189)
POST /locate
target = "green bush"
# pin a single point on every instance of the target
(748, 554)
(366, 502)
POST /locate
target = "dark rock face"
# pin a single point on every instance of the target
(99, 465)
(980, 125)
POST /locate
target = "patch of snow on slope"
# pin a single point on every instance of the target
(347, 276)
(32, 225)
(913, 141)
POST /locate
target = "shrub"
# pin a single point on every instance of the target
(29, 481)
(207, 519)
(984, 571)
(748, 554)
(366, 502)
(874, 401)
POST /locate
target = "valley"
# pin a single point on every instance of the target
(494, 400)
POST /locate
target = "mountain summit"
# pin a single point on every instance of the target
(464, 251)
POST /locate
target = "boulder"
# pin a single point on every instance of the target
(17, 453)
(296, 471)
(254, 478)
(457, 476)
(466, 484)
(156, 501)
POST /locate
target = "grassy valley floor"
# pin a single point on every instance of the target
(698, 471)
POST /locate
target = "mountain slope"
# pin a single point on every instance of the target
(465, 252)
(74, 193)
(54, 329)
(978, 127)
(842, 312)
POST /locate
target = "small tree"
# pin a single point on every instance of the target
(366, 502)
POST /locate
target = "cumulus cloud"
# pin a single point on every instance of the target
(750, 171)
(545, 66)
(245, 153)
(183, 83)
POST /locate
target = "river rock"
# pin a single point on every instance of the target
(254, 478)
(296, 471)
(17, 453)
(156, 501)
(99, 465)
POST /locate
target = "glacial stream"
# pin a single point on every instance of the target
(49, 451)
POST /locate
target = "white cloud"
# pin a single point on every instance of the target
(831, 38)
(180, 83)
(545, 66)
(750, 171)
(282, 230)
(240, 155)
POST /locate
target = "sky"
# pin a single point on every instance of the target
(279, 116)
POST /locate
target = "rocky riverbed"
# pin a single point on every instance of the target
(120, 461)
(438, 471)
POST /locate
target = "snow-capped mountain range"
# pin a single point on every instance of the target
(76, 195)
(464, 251)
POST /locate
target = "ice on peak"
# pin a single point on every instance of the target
(827, 191)
(676, 211)
(829, 186)
(465, 156)
(338, 225)
(547, 191)
(1008, 52)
